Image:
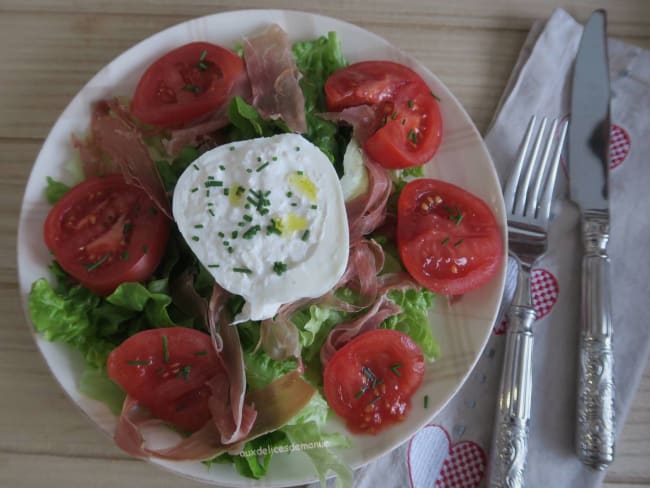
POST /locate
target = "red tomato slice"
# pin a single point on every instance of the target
(410, 128)
(185, 84)
(166, 371)
(104, 232)
(370, 380)
(448, 239)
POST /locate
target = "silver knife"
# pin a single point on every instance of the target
(589, 186)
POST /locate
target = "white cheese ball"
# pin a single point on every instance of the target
(266, 217)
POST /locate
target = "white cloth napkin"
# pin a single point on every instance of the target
(452, 452)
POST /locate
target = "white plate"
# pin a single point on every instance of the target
(462, 329)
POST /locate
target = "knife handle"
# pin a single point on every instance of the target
(595, 433)
(509, 452)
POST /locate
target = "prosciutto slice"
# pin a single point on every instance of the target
(273, 76)
(276, 404)
(231, 415)
(362, 118)
(119, 138)
(346, 331)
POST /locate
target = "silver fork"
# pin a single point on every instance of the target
(528, 196)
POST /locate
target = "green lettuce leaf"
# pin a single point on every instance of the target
(55, 190)
(262, 370)
(413, 320)
(317, 60)
(247, 123)
(96, 384)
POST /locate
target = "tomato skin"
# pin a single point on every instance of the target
(173, 389)
(104, 232)
(412, 135)
(185, 84)
(396, 363)
(410, 128)
(448, 239)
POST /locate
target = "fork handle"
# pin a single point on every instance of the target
(595, 432)
(509, 451)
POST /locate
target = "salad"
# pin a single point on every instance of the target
(252, 248)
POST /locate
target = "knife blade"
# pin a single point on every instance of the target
(588, 152)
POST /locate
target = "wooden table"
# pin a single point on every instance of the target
(50, 48)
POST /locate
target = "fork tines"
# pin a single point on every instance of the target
(522, 199)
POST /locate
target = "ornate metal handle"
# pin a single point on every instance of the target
(595, 432)
(509, 451)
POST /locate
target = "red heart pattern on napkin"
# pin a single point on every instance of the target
(434, 461)
(544, 290)
(619, 146)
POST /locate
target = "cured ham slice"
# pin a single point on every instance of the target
(346, 331)
(117, 138)
(273, 75)
(276, 405)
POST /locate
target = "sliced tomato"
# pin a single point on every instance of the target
(104, 232)
(409, 129)
(370, 380)
(448, 238)
(166, 371)
(185, 84)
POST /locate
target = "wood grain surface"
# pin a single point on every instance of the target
(50, 48)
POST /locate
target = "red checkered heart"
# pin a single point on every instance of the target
(619, 146)
(433, 460)
(545, 291)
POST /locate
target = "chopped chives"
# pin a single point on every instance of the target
(186, 372)
(249, 170)
(231, 148)
(211, 212)
(204, 53)
(226, 191)
(201, 353)
(259, 159)
(221, 234)
(426, 401)
(247, 218)
(139, 363)
(222, 167)
(230, 250)
(213, 265)
(395, 369)
(374, 400)
(145, 249)
(445, 240)
(194, 190)
(279, 267)
(413, 136)
(196, 167)
(192, 88)
(195, 238)
(127, 228)
(314, 207)
(165, 349)
(305, 235)
(260, 168)
(274, 158)
(410, 103)
(198, 226)
(289, 194)
(242, 269)
(251, 232)
(458, 242)
(211, 183)
(297, 148)
(234, 234)
(435, 96)
(97, 263)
